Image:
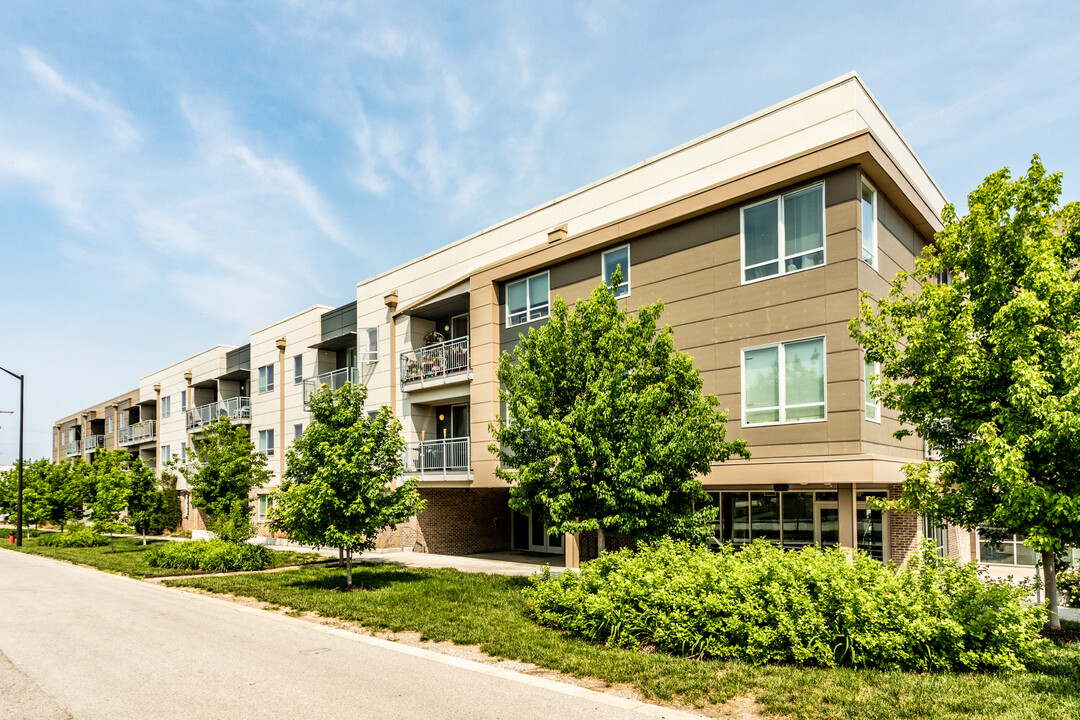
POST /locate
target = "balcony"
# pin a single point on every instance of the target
(438, 459)
(237, 409)
(71, 449)
(145, 431)
(335, 380)
(93, 442)
(435, 364)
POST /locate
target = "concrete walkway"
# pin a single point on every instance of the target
(79, 643)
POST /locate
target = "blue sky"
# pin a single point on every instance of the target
(174, 175)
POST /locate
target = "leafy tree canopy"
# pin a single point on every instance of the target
(987, 369)
(112, 488)
(608, 428)
(337, 490)
(227, 468)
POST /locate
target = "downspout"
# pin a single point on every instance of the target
(157, 429)
(280, 450)
(190, 442)
(391, 300)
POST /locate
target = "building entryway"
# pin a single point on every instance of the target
(531, 535)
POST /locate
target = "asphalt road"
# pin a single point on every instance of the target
(78, 643)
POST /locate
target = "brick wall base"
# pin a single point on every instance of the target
(464, 521)
(905, 530)
(612, 542)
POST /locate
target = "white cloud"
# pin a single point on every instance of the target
(95, 99)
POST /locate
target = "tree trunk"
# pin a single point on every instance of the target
(348, 569)
(112, 543)
(1050, 576)
(600, 543)
(144, 538)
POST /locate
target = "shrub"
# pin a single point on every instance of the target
(78, 538)
(1069, 586)
(811, 607)
(209, 555)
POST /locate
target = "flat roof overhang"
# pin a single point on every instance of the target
(338, 342)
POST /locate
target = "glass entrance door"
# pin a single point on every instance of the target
(827, 524)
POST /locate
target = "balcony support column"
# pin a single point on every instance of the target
(157, 430)
(190, 441)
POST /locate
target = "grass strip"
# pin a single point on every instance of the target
(488, 611)
(129, 558)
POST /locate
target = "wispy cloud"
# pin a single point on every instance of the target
(93, 98)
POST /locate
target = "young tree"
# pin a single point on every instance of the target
(607, 427)
(170, 514)
(339, 474)
(987, 369)
(227, 468)
(66, 491)
(109, 475)
(145, 499)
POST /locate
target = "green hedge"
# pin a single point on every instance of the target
(811, 607)
(209, 555)
(78, 538)
(1069, 586)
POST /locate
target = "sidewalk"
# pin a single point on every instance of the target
(490, 563)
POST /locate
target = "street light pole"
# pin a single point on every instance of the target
(18, 515)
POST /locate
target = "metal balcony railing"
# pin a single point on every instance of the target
(137, 433)
(93, 442)
(436, 459)
(335, 379)
(435, 362)
(237, 409)
(72, 448)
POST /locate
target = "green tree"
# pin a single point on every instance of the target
(170, 514)
(65, 491)
(109, 473)
(987, 369)
(227, 468)
(607, 427)
(338, 487)
(145, 498)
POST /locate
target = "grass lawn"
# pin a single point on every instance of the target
(488, 611)
(129, 558)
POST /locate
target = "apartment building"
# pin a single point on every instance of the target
(758, 237)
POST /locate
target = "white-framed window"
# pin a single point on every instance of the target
(166, 406)
(617, 258)
(183, 454)
(298, 369)
(56, 439)
(945, 277)
(869, 226)
(165, 454)
(108, 425)
(527, 300)
(368, 345)
(1010, 551)
(784, 382)
(937, 534)
(266, 442)
(183, 400)
(298, 430)
(783, 234)
(871, 401)
(266, 378)
(264, 507)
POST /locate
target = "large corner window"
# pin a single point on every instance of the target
(617, 259)
(871, 402)
(527, 300)
(869, 226)
(266, 378)
(784, 383)
(1010, 551)
(784, 234)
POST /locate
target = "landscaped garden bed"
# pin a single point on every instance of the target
(491, 612)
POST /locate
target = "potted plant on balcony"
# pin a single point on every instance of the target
(433, 337)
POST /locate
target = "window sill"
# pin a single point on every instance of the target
(777, 275)
(786, 422)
